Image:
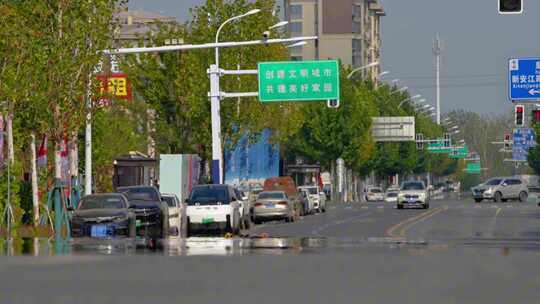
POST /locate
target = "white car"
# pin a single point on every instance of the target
(413, 194)
(245, 207)
(374, 194)
(314, 198)
(391, 196)
(213, 207)
(177, 214)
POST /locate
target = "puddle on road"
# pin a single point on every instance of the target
(221, 246)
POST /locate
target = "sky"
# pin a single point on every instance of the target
(477, 44)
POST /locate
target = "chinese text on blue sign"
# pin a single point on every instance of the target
(524, 79)
(298, 80)
(523, 141)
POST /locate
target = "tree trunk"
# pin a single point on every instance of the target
(9, 130)
(74, 155)
(35, 198)
(58, 159)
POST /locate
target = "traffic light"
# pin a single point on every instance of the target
(333, 103)
(510, 6)
(447, 140)
(507, 142)
(420, 141)
(520, 115)
(536, 116)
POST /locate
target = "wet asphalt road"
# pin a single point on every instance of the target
(455, 252)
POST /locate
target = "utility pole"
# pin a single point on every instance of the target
(437, 50)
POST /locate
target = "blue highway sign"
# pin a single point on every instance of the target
(524, 79)
(523, 141)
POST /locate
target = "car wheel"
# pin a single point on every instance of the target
(132, 228)
(478, 200)
(256, 221)
(399, 206)
(188, 229)
(497, 197)
(523, 196)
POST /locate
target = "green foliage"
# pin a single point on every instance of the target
(16, 176)
(176, 84)
(327, 134)
(117, 130)
(533, 158)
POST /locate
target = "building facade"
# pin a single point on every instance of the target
(348, 30)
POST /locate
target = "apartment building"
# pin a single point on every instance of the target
(348, 30)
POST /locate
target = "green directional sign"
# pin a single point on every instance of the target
(461, 152)
(438, 147)
(298, 80)
(473, 168)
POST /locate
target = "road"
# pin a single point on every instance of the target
(455, 252)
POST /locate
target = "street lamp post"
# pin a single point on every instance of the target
(362, 68)
(409, 99)
(215, 107)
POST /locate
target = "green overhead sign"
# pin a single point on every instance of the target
(461, 152)
(439, 147)
(473, 168)
(298, 80)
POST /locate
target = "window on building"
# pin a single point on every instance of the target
(296, 58)
(296, 11)
(295, 28)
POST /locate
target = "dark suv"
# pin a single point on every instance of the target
(151, 211)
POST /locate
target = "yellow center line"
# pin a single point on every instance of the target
(409, 225)
(404, 225)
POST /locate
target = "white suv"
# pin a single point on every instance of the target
(213, 207)
(413, 194)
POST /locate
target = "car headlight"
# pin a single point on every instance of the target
(422, 196)
(488, 191)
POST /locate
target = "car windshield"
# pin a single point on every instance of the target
(141, 194)
(170, 201)
(493, 182)
(102, 202)
(413, 186)
(392, 194)
(375, 190)
(311, 190)
(209, 196)
(271, 195)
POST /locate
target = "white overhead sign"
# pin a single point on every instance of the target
(392, 129)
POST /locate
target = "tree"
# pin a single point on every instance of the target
(327, 134)
(176, 84)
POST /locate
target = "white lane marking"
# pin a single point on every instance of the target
(364, 207)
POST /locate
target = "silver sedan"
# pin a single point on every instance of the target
(272, 205)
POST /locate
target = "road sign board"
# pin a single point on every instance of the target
(523, 141)
(524, 79)
(440, 146)
(473, 168)
(298, 80)
(460, 152)
(393, 129)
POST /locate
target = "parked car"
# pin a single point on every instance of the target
(374, 194)
(501, 189)
(150, 210)
(306, 205)
(413, 194)
(103, 215)
(213, 207)
(391, 196)
(287, 185)
(177, 214)
(314, 195)
(272, 205)
(245, 209)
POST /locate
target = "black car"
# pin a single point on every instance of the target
(150, 209)
(103, 215)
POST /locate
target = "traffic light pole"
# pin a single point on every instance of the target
(215, 93)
